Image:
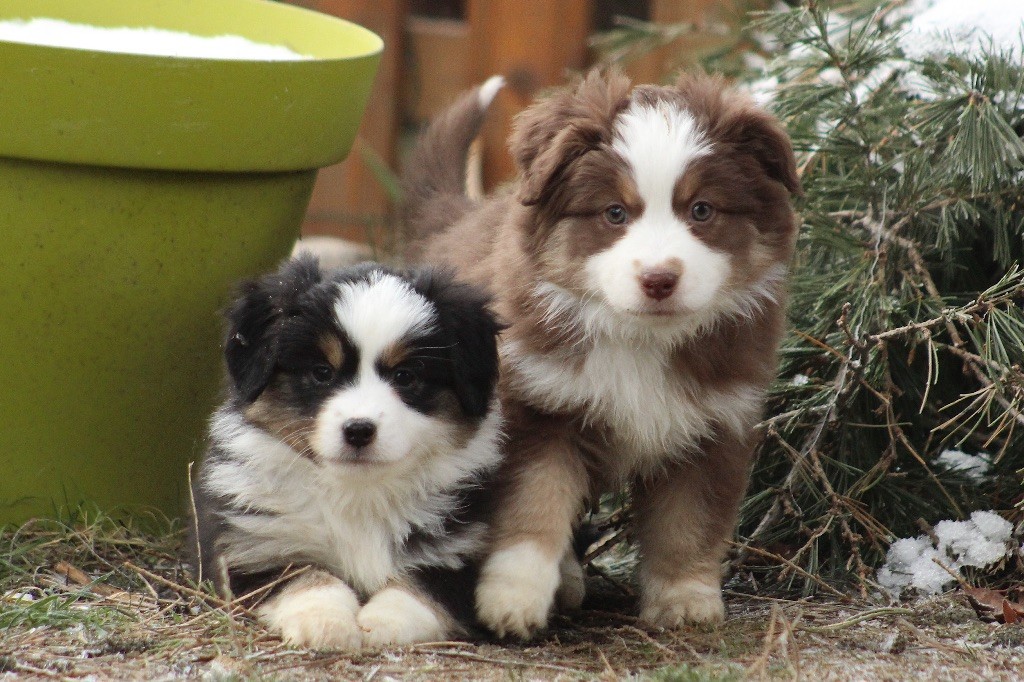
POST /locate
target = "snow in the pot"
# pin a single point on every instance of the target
(144, 41)
(914, 563)
(937, 26)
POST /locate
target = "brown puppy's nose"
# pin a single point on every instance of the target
(658, 284)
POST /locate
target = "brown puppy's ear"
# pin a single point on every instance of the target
(736, 119)
(550, 135)
(764, 137)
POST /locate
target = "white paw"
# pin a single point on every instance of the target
(315, 616)
(683, 601)
(516, 590)
(396, 617)
(573, 587)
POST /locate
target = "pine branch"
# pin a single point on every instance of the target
(906, 302)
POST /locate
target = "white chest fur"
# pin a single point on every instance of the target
(351, 523)
(652, 409)
(322, 527)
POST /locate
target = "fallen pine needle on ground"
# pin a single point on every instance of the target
(108, 600)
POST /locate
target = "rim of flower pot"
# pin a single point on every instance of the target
(176, 113)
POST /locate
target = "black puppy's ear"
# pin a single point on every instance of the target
(465, 316)
(251, 349)
(252, 346)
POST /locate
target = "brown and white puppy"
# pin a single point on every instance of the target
(640, 262)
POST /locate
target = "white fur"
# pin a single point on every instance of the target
(591, 320)
(686, 600)
(653, 409)
(489, 90)
(658, 143)
(315, 616)
(401, 431)
(355, 513)
(377, 314)
(394, 616)
(381, 311)
(749, 301)
(517, 589)
(658, 241)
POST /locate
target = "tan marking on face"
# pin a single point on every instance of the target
(330, 346)
(672, 264)
(395, 354)
(275, 417)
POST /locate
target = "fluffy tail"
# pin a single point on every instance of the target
(434, 180)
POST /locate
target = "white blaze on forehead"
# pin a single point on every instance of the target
(658, 141)
(381, 310)
(376, 313)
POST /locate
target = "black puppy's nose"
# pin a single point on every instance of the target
(359, 432)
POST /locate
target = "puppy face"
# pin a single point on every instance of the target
(663, 204)
(365, 366)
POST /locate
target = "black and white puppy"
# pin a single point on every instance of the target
(358, 441)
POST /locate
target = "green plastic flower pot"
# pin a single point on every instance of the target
(134, 191)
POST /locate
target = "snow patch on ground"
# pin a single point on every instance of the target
(981, 541)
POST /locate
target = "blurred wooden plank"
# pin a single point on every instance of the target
(347, 198)
(533, 44)
(660, 64)
(654, 67)
(437, 68)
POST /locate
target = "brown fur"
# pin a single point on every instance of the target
(277, 415)
(333, 352)
(559, 460)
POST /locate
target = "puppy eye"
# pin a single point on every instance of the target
(322, 373)
(701, 211)
(403, 378)
(616, 214)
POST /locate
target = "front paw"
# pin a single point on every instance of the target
(517, 590)
(396, 617)
(321, 616)
(683, 601)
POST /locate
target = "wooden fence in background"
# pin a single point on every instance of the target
(436, 48)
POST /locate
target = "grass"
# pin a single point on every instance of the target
(94, 596)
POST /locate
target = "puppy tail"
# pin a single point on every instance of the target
(434, 181)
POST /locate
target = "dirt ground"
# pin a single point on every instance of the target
(938, 640)
(98, 603)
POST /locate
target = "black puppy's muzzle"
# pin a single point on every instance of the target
(359, 432)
